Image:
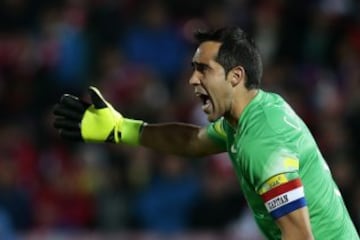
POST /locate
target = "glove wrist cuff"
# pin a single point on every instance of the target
(130, 131)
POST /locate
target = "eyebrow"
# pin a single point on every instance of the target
(197, 65)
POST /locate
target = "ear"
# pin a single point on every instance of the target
(237, 75)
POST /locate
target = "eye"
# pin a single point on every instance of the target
(200, 67)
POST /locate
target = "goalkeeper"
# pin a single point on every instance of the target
(282, 173)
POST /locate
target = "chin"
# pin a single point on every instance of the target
(210, 119)
(213, 118)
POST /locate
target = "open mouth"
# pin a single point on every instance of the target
(205, 100)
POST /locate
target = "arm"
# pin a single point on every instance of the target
(100, 122)
(295, 225)
(284, 198)
(178, 138)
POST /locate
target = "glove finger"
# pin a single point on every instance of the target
(70, 135)
(96, 98)
(66, 112)
(63, 123)
(74, 102)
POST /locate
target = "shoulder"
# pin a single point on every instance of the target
(270, 125)
(275, 115)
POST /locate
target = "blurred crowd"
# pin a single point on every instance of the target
(138, 54)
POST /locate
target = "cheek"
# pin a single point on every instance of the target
(218, 88)
(223, 91)
(222, 97)
(225, 99)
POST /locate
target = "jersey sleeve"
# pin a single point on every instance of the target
(284, 194)
(275, 176)
(216, 132)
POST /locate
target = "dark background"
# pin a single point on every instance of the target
(138, 54)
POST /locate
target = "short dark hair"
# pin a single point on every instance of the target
(237, 49)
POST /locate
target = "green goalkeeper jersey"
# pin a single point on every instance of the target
(281, 169)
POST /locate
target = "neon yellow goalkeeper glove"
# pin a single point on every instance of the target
(95, 122)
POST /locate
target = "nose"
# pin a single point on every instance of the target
(194, 78)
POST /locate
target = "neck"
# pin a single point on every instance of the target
(242, 98)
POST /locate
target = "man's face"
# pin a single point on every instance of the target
(209, 81)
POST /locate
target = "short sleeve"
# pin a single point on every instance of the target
(216, 132)
(275, 176)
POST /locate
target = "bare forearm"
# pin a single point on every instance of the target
(296, 225)
(174, 138)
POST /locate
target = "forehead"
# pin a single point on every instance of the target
(206, 52)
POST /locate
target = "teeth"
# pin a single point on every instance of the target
(206, 105)
(205, 99)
